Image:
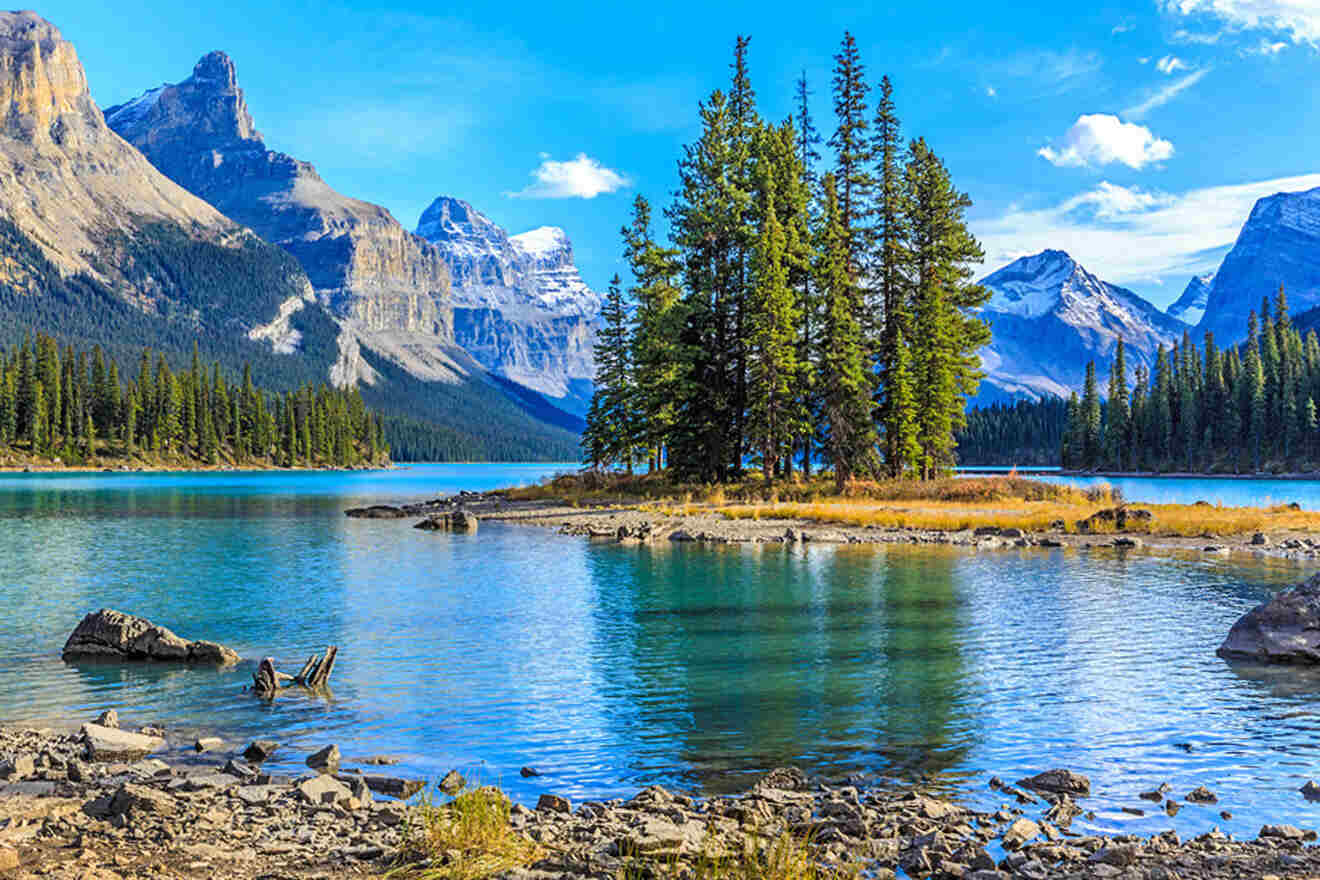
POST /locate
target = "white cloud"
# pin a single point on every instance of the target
(1298, 20)
(1166, 94)
(1200, 39)
(1102, 139)
(1170, 64)
(1133, 236)
(990, 92)
(580, 178)
(1122, 28)
(1266, 48)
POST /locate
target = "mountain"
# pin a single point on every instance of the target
(364, 265)
(1278, 245)
(385, 291)
(1190, 307)
(80, 204)
(1049, 316)
(520, 305)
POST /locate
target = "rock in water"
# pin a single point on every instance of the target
(110, 744)
(109, 633)
(453, 783)
(1058, 782)
(260, 750)
(325, 761)
(458, 521)
(376, 511)
(1285, 629)
(108, 718)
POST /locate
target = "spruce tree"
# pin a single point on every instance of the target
(773, 418)
(849, 433)
(1090, 420)
(852, 163)
(946, 333)
(1116, 421)
(657, 354)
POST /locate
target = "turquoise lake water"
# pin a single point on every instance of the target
(608, 667)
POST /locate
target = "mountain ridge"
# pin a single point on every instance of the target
(1049, 316)
(520, 305)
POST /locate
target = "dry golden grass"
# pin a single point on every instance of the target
(1183, 520)
(786, 857)
(949, 504)
(467, 839)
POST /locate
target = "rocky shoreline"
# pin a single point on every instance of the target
(626, 524)
(68, 812)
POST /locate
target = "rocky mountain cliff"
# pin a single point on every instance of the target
(363, 264)
(95, 208)
(1278, 245)
(1049, 317)
(1190, 307)
(520, 305)
(99, 247)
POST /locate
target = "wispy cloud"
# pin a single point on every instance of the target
(1130, 235)
(1102, 139)
(1171, 64)
(990, 92)
(1046, 72)
(579, 178)
(1298, 20)
(1122, 28)
(1166, 94)
(1267, 48)
(1195, 37)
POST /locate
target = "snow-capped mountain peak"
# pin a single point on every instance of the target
(1033, 286)
(541, 242)
(520, 305)
(1049, 316)
(1190, 307)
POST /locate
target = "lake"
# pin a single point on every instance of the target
(609, 667)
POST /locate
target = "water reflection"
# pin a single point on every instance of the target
(610, 667)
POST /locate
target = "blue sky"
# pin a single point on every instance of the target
(1135, 135)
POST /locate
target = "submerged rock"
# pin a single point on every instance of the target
(110, 633)
(1285, 629)
(376, 511)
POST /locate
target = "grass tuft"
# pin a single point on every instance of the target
(467, 839)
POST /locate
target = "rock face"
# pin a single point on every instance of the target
(1277, 246)
(1190, 307)
(113, 634)
(1050, 316)
(83, 196)
(1286, 629)
(363, 264)
(520, 306)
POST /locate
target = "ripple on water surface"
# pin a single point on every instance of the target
(609, 667)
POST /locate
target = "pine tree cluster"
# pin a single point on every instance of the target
(794, 316)
(1025, 433)
(1251, 407)
(76, 407)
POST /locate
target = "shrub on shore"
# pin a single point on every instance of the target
(468, 838)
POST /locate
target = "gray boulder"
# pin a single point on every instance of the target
(1285, 629)
(113, 634)
(458, 521)
(111, 744)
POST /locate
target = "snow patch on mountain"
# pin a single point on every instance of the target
(1049, 316)
(521, 307)
(1190, 307)
(1277, 247)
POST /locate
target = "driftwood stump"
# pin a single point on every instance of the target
(314, 676)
